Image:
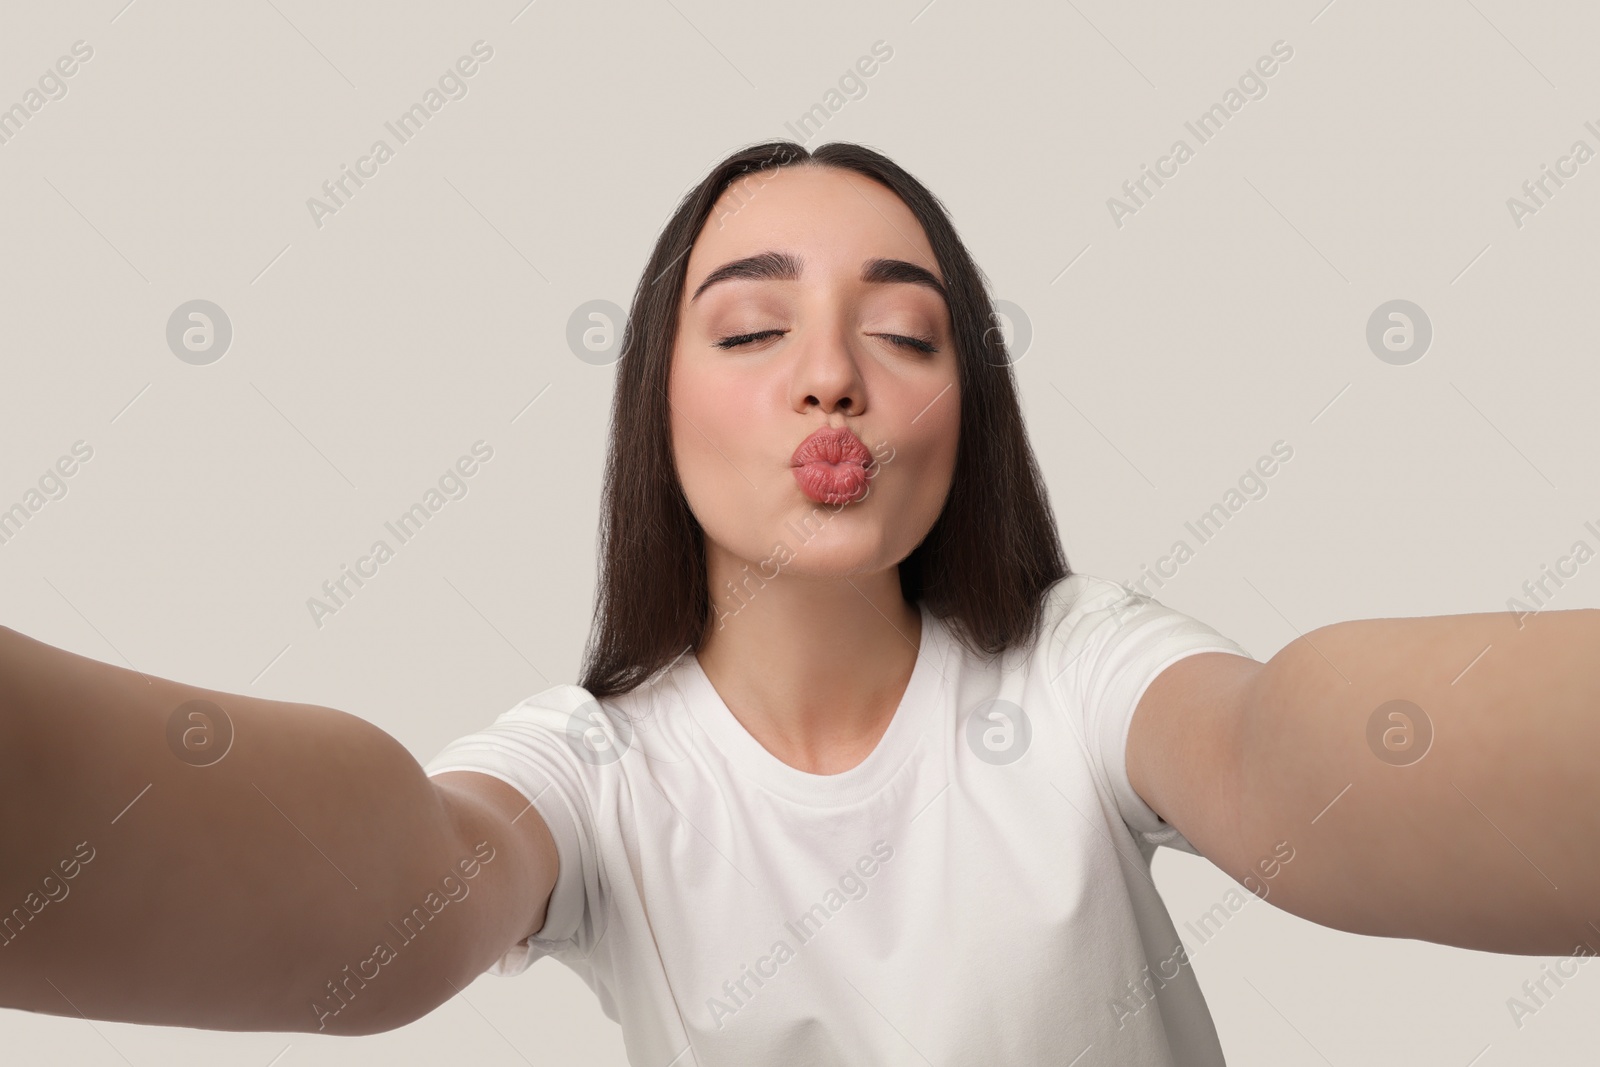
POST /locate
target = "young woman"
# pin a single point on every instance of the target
(854, 773)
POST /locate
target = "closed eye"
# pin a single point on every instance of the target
(745, 338)
(906, 342)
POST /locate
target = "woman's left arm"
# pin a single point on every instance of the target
(1434, 778)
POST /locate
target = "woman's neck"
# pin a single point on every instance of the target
(814, 669)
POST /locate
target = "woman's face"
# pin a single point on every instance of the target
(834, 359)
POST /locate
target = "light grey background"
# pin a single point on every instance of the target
(431, 311)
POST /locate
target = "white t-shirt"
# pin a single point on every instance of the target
(977, 890)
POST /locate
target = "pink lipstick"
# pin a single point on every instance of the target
(832, 466)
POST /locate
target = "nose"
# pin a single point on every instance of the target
(827, 374)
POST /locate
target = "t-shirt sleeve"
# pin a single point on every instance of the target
(537, 748)
(1107, 643)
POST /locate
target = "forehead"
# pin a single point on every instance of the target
(833, 219)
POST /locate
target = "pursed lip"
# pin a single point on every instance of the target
(831, 444)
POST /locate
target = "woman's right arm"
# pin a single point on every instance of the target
(312, 878)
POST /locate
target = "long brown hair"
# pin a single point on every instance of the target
(983, 566)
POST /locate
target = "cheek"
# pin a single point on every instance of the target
(715, 422)
(934, 452)
(937, 423)
(915, 476)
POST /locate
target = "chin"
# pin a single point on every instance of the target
(837, 553)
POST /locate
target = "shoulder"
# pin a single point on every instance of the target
(563, 727)
(1104, 643)
(1083, 608)
(560, 709)
(549, 705)
(1110, 650)
(1091, 621)
(1079, 594)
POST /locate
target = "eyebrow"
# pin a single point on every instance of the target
(785, 267)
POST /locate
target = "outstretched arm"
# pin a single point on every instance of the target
(1431, 778)
(148, 874)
